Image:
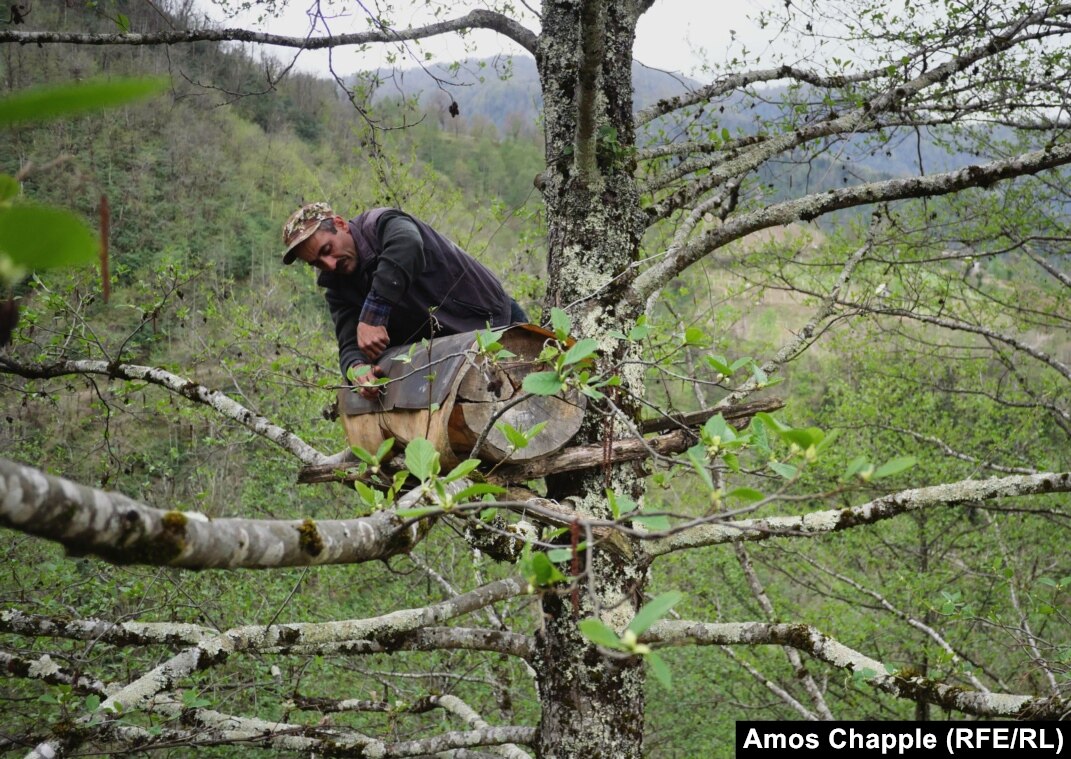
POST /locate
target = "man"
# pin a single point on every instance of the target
(391, 279)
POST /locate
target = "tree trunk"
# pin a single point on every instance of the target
(589, 701)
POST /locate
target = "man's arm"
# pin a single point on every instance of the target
(400, 263)
(344, 311)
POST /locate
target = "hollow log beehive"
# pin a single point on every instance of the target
(449, 392)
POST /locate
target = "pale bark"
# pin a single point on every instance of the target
(834, 520)
(86, 520)
(213, 651)
(810, 640)
(812, 206)
(477, 19)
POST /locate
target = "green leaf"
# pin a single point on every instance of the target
(39, 237)
(894, 466)
(640, 331)
(804, 438)
(717, 427)
(580, 351)
(123, 22)
(515, 437)
(558, 555)
(461, 470)
(422, 511)
(654, 610)
(479, 488)
(695, 336)
(384, 448)
(653, 522)
(51, 102)
(660, 670)
(92, 702)
(697, 454)
(366, 493)
(719, 364)
(785, 470)
(600, 634)
(855, 466)
(770, 423)
(9, 187)
(540, 571)
(592, 393)
(560, 323)
(827, 440)
(619, 504)
(421, 459)
(745, 494)
(363, 455)
(864, 674)
(543, 383)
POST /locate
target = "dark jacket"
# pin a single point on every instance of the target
(434, 286)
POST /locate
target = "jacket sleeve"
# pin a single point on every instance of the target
(402, 258)
(344, 311)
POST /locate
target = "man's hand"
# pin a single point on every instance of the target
(363, 377)
(372, 340)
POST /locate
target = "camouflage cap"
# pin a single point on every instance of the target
(301, 225)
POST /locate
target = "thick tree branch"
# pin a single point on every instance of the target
(173, 634)
(46, 670)
(728, 84)
(122, 634)
(118, 529)
(424, 639)
(477, 19)
(812, 641)
(187, 388)
(216, 650)
(812, 206)
(835, 520)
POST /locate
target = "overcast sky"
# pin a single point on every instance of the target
(675, 35)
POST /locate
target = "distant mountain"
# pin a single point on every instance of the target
(500, 89)
(505, 93)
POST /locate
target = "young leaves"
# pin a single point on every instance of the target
(421, 459)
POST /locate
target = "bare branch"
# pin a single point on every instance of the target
(477, 19)
(835, 520)
(187, 388)
(812, 641)
(216, 650)
(124, 531)
(791, 701)
(121, 634)
(799, 341)
(759, 592)
(47, 671)
(815, 205)
(727, 84)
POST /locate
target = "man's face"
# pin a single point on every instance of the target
(331, 252)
